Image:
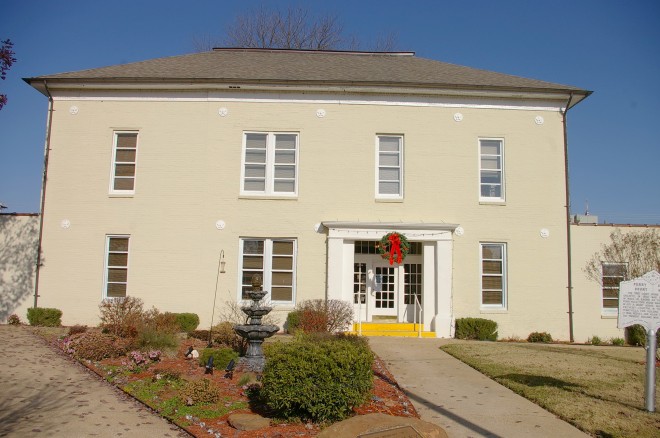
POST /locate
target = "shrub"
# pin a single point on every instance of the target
(319, 378)
(45, 317)
(539, 337)
(158, 330)
(224, 334)
(202, 335)
(476, 328)
(594, 340)
(315, 316)
(221, 357)
(293, 321)
(200, 392)
(619, 342)
(75, 329)
(14, 320)
(636, 335)
(187, 321)
(121, 316)
(97, 346)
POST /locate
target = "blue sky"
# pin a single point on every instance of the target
(610, 47)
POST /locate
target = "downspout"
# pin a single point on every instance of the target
(49, 124)
(568, 222)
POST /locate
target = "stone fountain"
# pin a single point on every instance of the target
(254, 331)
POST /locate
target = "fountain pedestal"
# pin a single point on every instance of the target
(254, 331)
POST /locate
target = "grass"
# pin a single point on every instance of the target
(600, 390)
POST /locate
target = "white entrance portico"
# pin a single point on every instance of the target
(377, 288)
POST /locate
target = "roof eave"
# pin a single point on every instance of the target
(39, 83)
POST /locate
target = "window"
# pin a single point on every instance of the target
(389, 163)
(270, 164)
(124, 157)
(274, 260)
(116, 267)
(613, 274)
(491, 170)
(493, 275)
(412, 283)
(359, 283)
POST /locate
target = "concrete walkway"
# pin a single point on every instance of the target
(461, 400)
(43, 393)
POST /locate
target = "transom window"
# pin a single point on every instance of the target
(116, 267)
(369, 247)
(274, 260)
(270, 163)
(124, 159)
(493, 275)
(491, 170)
(613, 274)
(389, 167)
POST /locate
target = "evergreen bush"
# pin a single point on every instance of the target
(44, 317)
(539, 337)
(636, 335)
(318, 378)
(293, 321)
(188, 322)
(476, 328)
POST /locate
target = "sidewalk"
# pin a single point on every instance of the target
(45, 394)
(461, 400)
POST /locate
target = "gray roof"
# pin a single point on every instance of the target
(268, 66)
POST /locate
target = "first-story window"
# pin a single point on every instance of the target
(270, 164)
(116, 267)
(275, 261)
(613, 274)
(493, 275)
(124, 160)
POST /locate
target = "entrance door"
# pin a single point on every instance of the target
(385, 290)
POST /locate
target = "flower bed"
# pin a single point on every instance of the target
(178, 389)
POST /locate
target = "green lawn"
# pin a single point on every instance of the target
(598, 389)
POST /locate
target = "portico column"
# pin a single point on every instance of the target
(443, 271)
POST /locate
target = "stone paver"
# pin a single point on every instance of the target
(43, 393)
(464, 402)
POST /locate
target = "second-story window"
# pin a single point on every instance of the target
(270, 164)
(491, 170)
(124, 159)
(389, 167)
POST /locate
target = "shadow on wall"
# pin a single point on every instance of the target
(19, 240)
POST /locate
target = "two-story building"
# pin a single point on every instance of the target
(294, 165)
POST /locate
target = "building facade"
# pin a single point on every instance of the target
(294, 165)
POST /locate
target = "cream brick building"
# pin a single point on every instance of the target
(294, 164)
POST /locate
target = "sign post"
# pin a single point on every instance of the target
(639, 303)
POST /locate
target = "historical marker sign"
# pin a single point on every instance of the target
(639, 301)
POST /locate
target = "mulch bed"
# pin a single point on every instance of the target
(386, 397)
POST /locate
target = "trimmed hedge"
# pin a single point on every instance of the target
(187, 321)
(318, 378)
(476, 328)
(44, 316)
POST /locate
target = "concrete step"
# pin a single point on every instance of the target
(395, 329)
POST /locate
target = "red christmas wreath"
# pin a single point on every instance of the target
(394, 246)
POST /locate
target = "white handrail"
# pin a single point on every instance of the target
(419, 327)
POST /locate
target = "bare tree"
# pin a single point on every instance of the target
(293, 28)
(639, 250)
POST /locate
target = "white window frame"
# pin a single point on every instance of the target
(503, 274)
(113, 167)
(107, 267)
(267, 271)
(270, 164)
(502, 197)
(400, 167)
(607, 311)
